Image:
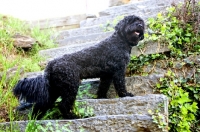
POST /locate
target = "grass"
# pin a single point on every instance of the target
(14, 62)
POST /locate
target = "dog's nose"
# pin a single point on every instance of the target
(140, 25)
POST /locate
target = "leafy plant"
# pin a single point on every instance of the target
(182, 107)
(137, 62)
(14, 61)
(82, 111)
(179, 29)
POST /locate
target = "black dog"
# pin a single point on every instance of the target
(107, 60)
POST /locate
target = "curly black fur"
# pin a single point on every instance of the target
(106, 60)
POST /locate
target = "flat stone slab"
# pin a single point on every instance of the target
(83, 38)
(138, 85)
(132, 7)
(128, 113)
(79, 32)
(52, 53)
(143, 13)
(127, 105)
(109, 123)
(58, 22)
(148, 48)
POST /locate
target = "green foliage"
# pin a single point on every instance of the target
(14, 61)
(159, 118)
(183, 104)
(81, 111)
(137, 62)
(180, 33)
(34, 126)
(85, 91)
(179, 29)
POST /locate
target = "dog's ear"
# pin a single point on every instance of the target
(120, 25)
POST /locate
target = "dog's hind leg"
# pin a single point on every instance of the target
(68, 95)
(104, 85)
(39, 111)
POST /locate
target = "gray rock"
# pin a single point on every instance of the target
(143, 13)
(148, 48)
(24, 42)
(84, 39)
(155, 2)
(193, 59)
(50, 54)
(79, 31)
(11, 72)
(119, 114)
(127, 105)
(141, 6)
(58, 22)
(138, 85)
(108, 123)
(117, 2)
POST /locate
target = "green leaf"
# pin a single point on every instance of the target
(188, 34)
(184, 111)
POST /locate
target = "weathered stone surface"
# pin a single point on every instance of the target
(24, 42)
(149, 48)
(138, 85)
(50, 54)
(127, 105)
(58, 22)
(131, 112)
(143, 6)
(79, 31)
(83, 39)
(10, 73)
(143, 13)
(109, 123)
(193, 59)
(117, 2)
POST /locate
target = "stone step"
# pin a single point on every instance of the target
(52, 53)
(66, 22)
(79, 32)
(137, 85)
(148, 48)
(108, 123)
(144, 6)
(131, 112)
(125, 106)
(143, 13)
(83, 31)
(83, 39)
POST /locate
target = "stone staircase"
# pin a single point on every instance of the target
(113, 114)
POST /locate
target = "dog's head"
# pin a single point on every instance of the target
(131, 28)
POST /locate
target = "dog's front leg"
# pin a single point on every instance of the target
(104, 85)
(119, 83)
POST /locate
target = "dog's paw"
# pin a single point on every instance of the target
(129, 94)
(101, 96)
(24, 106)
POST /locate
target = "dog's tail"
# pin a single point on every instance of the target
(33, 90)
